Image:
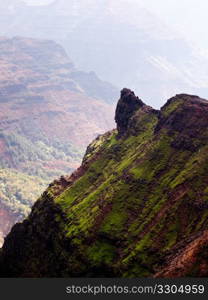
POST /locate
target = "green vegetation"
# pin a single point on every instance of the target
(171, 107)
(27, 167)
(22, 150)
(19, 191)
(134, 198)
(130, 198)
(101, 253)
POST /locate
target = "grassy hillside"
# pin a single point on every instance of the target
(139, 197)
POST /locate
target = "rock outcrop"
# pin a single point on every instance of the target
(127, 105)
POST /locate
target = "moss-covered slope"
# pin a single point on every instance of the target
(141, 191)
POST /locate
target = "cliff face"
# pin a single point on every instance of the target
(49, 112)
(136, 207)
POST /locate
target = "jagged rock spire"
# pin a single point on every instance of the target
(126, 107)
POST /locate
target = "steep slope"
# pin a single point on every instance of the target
(137, 206)
(49, 112)
(188, 259)
(120, 40)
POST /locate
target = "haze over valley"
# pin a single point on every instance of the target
(122, 41)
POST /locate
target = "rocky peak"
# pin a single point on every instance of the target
(190, 105)
(127, 105)
(183, 116)
(186, 117)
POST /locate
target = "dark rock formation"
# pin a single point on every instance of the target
(127, 105)
(186, 115)
(21, 245)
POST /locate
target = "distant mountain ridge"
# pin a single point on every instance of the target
(49, 111)
(136, 207)
(119, 40)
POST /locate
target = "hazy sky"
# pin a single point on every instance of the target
(187, 16)
(39, 2)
